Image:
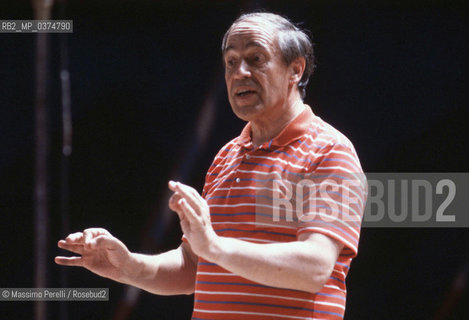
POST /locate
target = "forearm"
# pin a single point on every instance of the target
(296, 265)
(168, 273)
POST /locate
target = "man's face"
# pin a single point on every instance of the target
(257, 78)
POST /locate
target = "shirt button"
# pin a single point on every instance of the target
(238, 180)
(248, 156)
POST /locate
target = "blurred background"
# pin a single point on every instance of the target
(149, 104)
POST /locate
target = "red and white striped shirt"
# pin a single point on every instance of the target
(244, 188)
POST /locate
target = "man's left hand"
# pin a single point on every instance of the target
(194, 216)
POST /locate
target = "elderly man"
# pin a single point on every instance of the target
(238, 266)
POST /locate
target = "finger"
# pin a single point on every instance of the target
(76, 237)
(69, 261)
(75, 248)
(187, 190)
(190, 195)
(172, 185)
(178, 209)
(91, 233)
(96, 231)
(173, 202)
(188, 211)
(185, 225)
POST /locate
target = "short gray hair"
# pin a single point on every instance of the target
(292, 41)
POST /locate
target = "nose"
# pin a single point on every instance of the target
(242, 71)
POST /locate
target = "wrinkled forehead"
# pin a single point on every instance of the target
(251, 33)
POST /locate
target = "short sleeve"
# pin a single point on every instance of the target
(333, 195)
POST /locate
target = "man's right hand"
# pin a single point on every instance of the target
(99, 251)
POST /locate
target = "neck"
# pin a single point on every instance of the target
(272, 124)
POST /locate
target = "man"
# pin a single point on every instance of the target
(238, 266)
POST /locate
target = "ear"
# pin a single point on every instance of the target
(297, 67)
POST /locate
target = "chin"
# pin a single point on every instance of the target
(246, 113)
(241, 115)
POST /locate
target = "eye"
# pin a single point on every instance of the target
(258, 58)
(230, 62)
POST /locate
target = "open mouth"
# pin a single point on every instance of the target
(243, 93)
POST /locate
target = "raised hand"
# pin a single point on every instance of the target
(194, 216)
(98, 251)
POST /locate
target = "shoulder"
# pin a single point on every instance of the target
(330, 146)
(324, 134)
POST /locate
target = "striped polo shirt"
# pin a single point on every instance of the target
(249, 192)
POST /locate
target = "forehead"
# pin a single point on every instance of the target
(249, 33)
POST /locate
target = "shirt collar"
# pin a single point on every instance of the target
(293, 131)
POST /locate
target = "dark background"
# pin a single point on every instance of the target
(392, 76)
